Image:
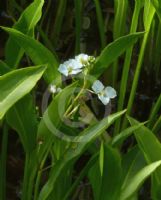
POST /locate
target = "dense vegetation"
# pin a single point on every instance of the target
(80, 100)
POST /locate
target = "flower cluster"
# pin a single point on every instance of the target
(104, 93)
(75, 66)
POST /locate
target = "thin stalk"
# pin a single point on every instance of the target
(76, 98)
(26, 178)
(157, 58)
(157, 126)
(149, 12)
(119, 29)
(3, 160)
(78, 23)
(126, 67)
(58, 21)
(154, 112)
(31, 167)
(151, 47)
(38, 178)
(135, 80)
(100, 23)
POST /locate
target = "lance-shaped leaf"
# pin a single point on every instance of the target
(38, 54)
(106, 186)
(138, 180)
(113, 51)
(14, 85)
(88, 136)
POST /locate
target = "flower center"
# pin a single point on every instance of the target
(70, 69)
(102, 93)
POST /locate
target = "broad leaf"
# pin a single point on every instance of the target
(138, 179)
(16, 84)
(22, 117)
(50, 127)
(148, 143)
(107, 186)
(89, 135)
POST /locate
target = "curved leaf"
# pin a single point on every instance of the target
(91, 134)
(114, 50)
(22, 118)
(138, 179)
(16, 84)
(38, 54)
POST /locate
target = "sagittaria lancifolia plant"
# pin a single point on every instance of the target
(55, 141)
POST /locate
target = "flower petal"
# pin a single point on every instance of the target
(82, 58)
(63, 69)
(74, 64)
(105, 100)
(97, 86)
(110, 92)
(76, 71)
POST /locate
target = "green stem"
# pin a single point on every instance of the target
(26, 178)
(3, 163)
(38, 178)
(119, 29)
(100, 23)
(149, 12)
(135, 80)
(157, 53)
(154, 112)
(157, 126)
(76, 98)
(126, 67)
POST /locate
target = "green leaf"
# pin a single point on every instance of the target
(89, 135)
(125, 134)
(22, 118)
(132, 162)
(151, 149)
(157, 5)
(138, 180)
(114, 50)
(38, 54)
(149, 11)
(26, 23)
(49, 129)
(107, 187)
(3, 68)
(16, 84)
(101, 158)
(95, 179)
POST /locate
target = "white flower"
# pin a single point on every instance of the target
(104, 93)
(84, 59)
(53, 89)
(70, 67)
